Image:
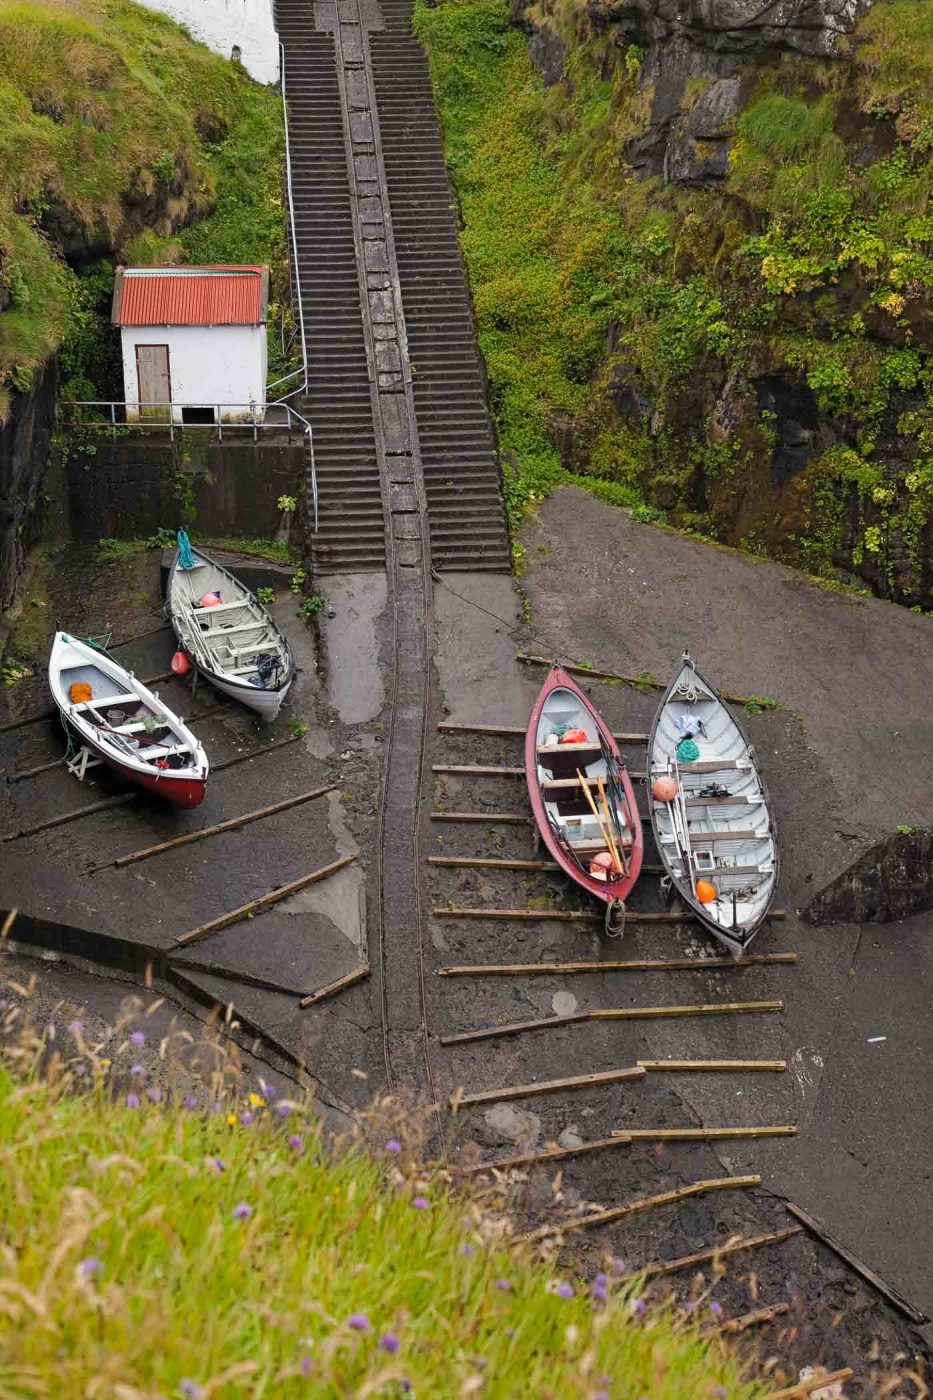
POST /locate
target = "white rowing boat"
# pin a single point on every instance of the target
(227, 633)
(710, 811)
(123, 724)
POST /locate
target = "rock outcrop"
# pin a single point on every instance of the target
(891, 881)
(25, 437)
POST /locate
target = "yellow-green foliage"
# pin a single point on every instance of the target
(101, 105)
(222, 1247)
(812, 260)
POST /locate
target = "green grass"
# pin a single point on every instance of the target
(152, 1249)
(121, 136)
(810, 262)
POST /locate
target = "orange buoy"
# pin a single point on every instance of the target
(574, 736)
(210, 600)
(180, 664)
(664, 789)
(601, 865)
(706, 892)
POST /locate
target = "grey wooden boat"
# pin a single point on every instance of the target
(718, 831)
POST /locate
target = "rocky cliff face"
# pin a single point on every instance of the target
(784, 156)
(25, 437)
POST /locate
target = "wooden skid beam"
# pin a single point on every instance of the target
(488, 863)
(508, 730)
(34, 772)
(706, 1256)
(802, 1389)
(640, 682)
(886, 1290)
(332, 988)
(757, 1318)
(558, 1154)
(473, 770)
(633, 916)
(633, 965)
(231, 825)
(546, 1086)
(615, 1213)
(493, 818)
(266, 901)
(622, 1013)
(727, 1066)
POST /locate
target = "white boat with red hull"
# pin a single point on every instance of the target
(122, 723)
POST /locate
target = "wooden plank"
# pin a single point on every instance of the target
(639, 682)
(756, 1318)
(767, 1130)
(231, 825)
(819, 1382)
(266, 901)
(625, 1139)
(546, 1086)
(895, 1298)
(635, 774)
(706, 1256)
(635, 916)
(624, 1013)
(356, 975)
(78, 812)
(726, 1066)
(518, 731)
(34, 772)
(477, 770)
(632, 965)
(607, 1217)
(481, 863)
(500, 818)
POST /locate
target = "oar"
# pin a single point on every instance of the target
(602, 832)
(614, 849)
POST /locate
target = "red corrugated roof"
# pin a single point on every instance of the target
(190, 296)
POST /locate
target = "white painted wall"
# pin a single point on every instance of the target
(207, 365)
(222, 23)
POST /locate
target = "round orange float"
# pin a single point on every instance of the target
(601, 865)
(664, 789)
(706, 893)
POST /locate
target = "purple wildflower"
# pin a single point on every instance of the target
(191, 1389)
(138, 1037)
(132, 1101)
(242, 1211)
(599, 1293)
(503, 1285)
(216, 1162)
(394, 1146)
(618, 1266)
(466, 1250)
(602, 1395)
(137, 1070)
(305, 1365)
(269, 1091)
(191, 1102)
(75, 1027)
(80, 1069)
(389, 1343)
(564, 1289)
(296, 1141)
(246, 1118)
(600, 1281)
(89, 1267)
(283, 1110)
(359, 1322)
(639, 1307)
(720, 1392)
(715, 1308)
(154, 1093)
(420, 1203)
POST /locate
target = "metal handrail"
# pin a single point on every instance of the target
(294, 240)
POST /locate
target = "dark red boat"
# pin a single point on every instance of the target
(581, 793)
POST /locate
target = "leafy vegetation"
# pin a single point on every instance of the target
(217, 1244)
(119, 136)
(628, 324)
(312, 605)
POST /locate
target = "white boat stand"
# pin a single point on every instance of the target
(81, 762)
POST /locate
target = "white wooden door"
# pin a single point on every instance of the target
(155, 384)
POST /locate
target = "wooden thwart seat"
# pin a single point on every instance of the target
(593, 843)
(730, 800)
(568, 750)
(713, 765)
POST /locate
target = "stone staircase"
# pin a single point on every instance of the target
(351, 535)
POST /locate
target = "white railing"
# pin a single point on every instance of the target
(118, 415)
(303, 370)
